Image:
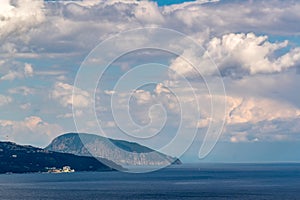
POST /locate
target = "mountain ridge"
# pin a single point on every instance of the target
(16, 158)
(127, 153)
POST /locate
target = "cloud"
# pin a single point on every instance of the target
(254, 119)
(4, 100)
(63, 93)
(247, 118)
(254, 54)
(23, 90)
(28, 70)
(254, 110)
(239, 137)
(31, 130)
(90, 22)
(237, 55)
(142, 96)
(11, 75)
(22, 71)
(265, 131)
(148, 13)
(235, 34)
(25, 106)
(18, 17)
(5, 6)
(237, 16)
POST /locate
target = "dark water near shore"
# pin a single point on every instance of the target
(197, 181)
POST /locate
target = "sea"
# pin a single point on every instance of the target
(187, 181)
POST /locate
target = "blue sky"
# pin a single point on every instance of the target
(255, 45)
(170, 2)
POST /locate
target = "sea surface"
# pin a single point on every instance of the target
(188, 181)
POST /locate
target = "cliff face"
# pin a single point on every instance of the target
(126, 153)
(23, 159)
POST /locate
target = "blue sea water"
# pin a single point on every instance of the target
(195, 181)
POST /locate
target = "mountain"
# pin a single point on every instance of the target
(24, 159)
(119, 151)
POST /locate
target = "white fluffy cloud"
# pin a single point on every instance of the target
(148, 13)
(87, 22)
(237, 16)
(238, 55)
(21, 72)
(63, 93)
(31, 130)
(19, 17)
(246, 118)
(254, 54)
(28, 70)
(254, 110)
(5, 100)
(256, 119)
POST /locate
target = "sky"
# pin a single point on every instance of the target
(172, 65)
